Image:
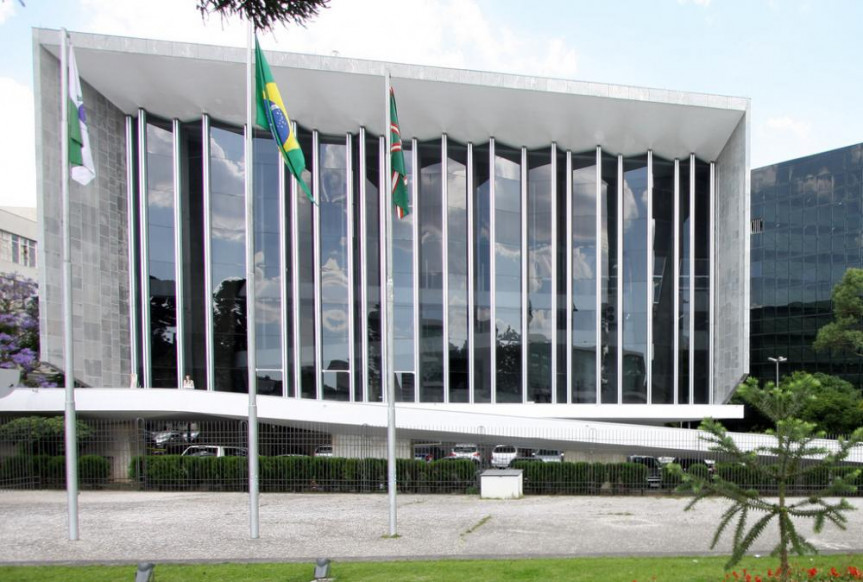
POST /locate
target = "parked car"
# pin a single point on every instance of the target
(215, 451)
(502, 456)
(428, 453)
(324, 451)
(549, 455)
(686, 463)
(654, 469)
(466, 451)
(524, 455)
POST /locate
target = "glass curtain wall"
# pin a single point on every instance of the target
(160, 254)
(268, 269)
(634, 280)
(403, 284)
(335, 283)
(662, 369)
(540, 319)
(584, 273)
(507, 298)
(429, 207)
(607, 237)
(457, 273)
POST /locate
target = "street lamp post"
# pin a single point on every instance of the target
(778, 360)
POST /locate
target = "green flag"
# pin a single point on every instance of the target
(397, 162)
(273, 116)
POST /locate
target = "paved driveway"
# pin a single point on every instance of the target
(128, 527)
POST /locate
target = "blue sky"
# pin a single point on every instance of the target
(797, 60)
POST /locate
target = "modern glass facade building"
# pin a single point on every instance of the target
(568, 243)
(807, 229)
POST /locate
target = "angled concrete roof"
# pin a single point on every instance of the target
(413, 421)
(337, 95)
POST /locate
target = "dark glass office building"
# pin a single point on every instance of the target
(807, 229)
(568, 243)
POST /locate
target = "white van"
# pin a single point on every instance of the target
(215, 451)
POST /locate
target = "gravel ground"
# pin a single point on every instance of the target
(128, 527)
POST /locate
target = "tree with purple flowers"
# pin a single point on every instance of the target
(19, 328)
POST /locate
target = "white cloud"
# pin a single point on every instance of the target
(783, 138)
(7, 10)
(18, 148)
(788, 124)
(702, 3)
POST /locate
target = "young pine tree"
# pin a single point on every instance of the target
(793, 452)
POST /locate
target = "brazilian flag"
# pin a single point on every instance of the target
(272, 115)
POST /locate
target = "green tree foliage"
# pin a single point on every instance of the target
(845, 332)
(791, 455)
(39, 435)
(837, 406)
(265, 14)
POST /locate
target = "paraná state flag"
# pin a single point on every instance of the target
(272, 115)
(397, 162)
(81, 166)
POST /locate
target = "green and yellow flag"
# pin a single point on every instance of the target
(273, 116)
(397, 162)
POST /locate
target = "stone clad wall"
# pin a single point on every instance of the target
(100, 280)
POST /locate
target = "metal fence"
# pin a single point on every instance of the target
(212, 455)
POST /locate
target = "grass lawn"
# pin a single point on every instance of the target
(689, 569)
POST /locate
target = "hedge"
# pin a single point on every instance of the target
(301, 474)
(49, 471)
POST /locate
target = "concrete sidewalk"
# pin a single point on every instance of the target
(128, 527)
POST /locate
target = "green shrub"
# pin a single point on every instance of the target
(93, 470)
(672, 475)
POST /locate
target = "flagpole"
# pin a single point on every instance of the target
(71, 444)
(251, 359)
(389, 380)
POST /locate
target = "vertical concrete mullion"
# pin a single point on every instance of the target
(208, 253)
(179, 297)
(130, 241)
(349, 215)
(143, 232)
(316, 237)
(471, 301)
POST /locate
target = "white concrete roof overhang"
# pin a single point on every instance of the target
(443, 422)
(337, 95)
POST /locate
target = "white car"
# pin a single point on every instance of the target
(466, 451)
(502, 456)
(215, 451)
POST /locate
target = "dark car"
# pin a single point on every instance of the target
(654, 469)
(428, 453)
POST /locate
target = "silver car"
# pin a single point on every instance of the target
(549, 455)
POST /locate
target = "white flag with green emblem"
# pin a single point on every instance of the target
(80, 155)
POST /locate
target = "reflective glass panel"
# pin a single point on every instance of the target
(663, 282)
(508, 275)
(609, 280)
(457, 240)
(540, 319)
(430, 215)
(227, 220)
(335, 284)
(635, 280)
(269, 282)
(160, 248)
(583, 269)
(482, 274)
